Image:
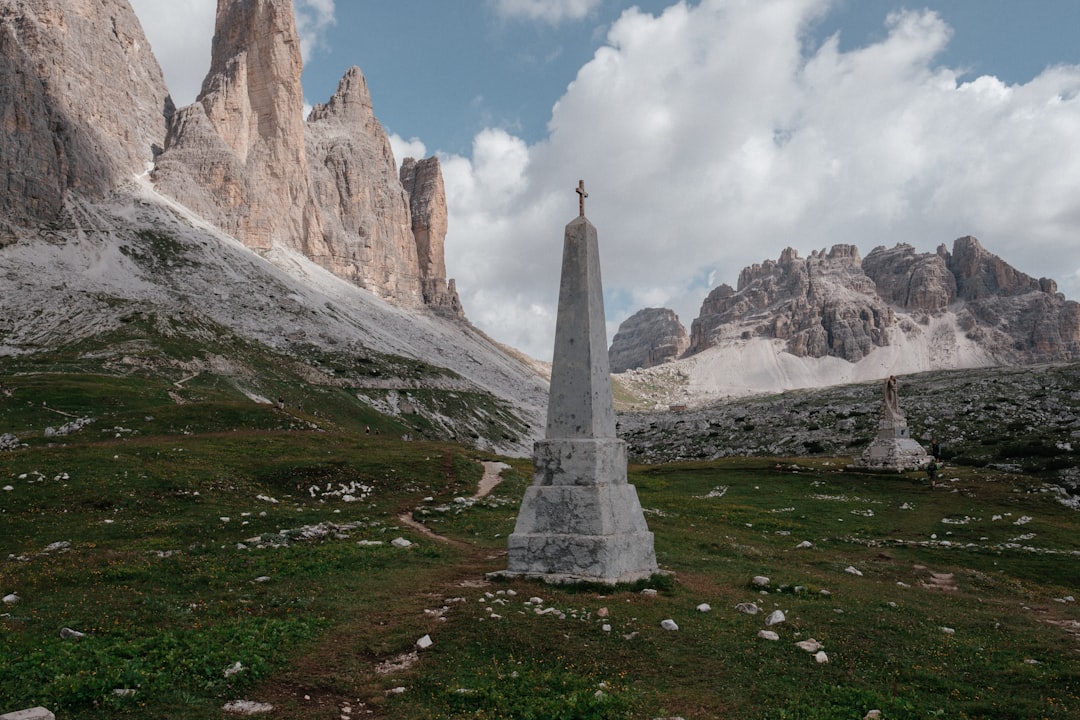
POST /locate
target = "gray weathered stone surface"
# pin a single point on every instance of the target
(648, 337)
(83, 103)
(581, 520)
(36, 713)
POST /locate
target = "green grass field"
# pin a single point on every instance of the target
(185, 538)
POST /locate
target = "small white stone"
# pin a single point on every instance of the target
(851, 569)
(820, 657)
(748, 608)
(649, 592)
(400, 542)
(8, 488)
(223, 519)
(775, 618)
(11, 599)
(948, 630)
(704, 607)
(811, 645)
(768, 635)
(606, 627)
(425, 642)
(805, 544)
(396, 691)
(247, 707)
(233, 669)
(669, 624)
(873, 715)
(262, 579)
(535, 601)
(760, 581)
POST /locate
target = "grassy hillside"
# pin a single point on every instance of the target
(185, 537)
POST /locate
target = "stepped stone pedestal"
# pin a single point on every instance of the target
(893, 449)
(580, 520)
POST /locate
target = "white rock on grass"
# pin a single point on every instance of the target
(235, 668)
(820, 657)
(760, 581)
(748, 608)
(948, 630)
(704, 607)
(775, 618)
(69, 634)
(425, 642)
(669, 624)
(851, 569)
(400, 542)
(810, 646)
(768, 635)
(247, 707)
(804, 545)
(11, 599)
(873, 715)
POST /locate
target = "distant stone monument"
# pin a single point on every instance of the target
(580, 520)
(893, 449)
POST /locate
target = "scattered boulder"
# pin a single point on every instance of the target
(69, 634)
(760, 581)
(425, 642)
(851, 569)
(704, 607)
(768, 635)
(820, 657)
(9, 442)
(400, 542)
(811, 645)
(775, 618)
(669, 624)
(748, 608)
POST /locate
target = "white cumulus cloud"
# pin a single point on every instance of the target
(549, 11)
(712, 136)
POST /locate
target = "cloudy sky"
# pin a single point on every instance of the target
(710, 134)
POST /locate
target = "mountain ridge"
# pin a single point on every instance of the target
(836, 317)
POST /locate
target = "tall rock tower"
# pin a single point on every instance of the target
(423, 182)
(237, 154)
(581, 520)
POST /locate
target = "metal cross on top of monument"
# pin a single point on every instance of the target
(580, 520)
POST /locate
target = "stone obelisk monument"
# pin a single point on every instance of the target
(581, 520)
(893, 449)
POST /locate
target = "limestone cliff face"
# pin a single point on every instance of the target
(237, 155)
(649, 337)
(823, 305)
(423, 182)
(834, 304)
(366, 211)
(83, 104)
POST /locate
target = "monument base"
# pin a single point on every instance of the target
(574, 533)
(893, 450)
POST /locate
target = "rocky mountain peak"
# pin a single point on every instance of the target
(834, 304)
(238, 152)
(821, 305)
(83, 102)
(351, 104)
(647, 338)
(423, 183)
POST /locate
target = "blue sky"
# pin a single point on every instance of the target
(711, 134)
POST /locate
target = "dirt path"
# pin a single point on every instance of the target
(492, 477)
